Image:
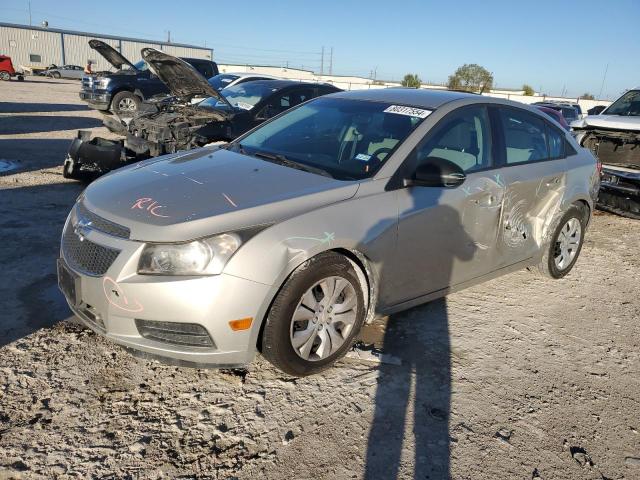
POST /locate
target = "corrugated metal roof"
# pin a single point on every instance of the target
(101, 35)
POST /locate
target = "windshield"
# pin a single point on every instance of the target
(628, 105)
(244, 96)
(348, 139)
(141, 65)
(220, 81)
(569, 113)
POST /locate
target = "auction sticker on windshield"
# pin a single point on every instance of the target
(410, 111)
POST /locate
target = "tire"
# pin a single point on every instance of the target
(5, 76)
(330, 337)
(55, 75)
(125, 103)
(549, 265)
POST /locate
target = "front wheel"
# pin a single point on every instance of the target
(5, 76)
(125, 103)
(565, 245)
(55, 75)
(315, 317)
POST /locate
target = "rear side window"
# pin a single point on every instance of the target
(524, 135)
(556, 143)
(462, 137)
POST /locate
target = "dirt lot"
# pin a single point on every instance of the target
(520, 378)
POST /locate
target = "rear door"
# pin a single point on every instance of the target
(534, 174)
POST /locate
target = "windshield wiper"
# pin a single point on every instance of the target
(287, 162)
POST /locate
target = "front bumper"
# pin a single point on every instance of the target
(110, 303)
(97, 100)
(620, 191)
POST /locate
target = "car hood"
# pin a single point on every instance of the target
(611, 122)
(183, 81)
(112, 56)
(199, 193)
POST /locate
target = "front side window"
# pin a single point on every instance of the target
(627, 105)
(348, 139)
(463, 137)
(524, 135)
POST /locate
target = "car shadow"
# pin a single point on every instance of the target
(19, 107)
(24, 124)
(31, 222)
(34, 153)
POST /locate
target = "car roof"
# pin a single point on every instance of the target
(248, 74)
(279, 84)
(418, 97)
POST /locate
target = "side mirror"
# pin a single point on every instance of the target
(436, 172)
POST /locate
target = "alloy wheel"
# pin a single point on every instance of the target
(567, 244)
(324, 318)
(127, 105)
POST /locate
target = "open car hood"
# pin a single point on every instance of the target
(112, 56)
(183, 80)
(611, 122)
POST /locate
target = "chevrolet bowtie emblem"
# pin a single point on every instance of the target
(82, 228)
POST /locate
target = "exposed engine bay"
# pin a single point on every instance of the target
(175, 127)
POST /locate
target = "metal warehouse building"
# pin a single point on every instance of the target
(39, 46)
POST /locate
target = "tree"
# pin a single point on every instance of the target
(411, 80)
(471, 78)
(527, 90)
(587, 96)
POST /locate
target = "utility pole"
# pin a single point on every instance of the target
(168, 36)
(603, 78)
(331, 61)
(29, 3)
(322, 61)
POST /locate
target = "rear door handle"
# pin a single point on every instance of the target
(552, 181)
(487, 200)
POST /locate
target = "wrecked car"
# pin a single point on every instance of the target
(291, 237)
(123, 91)
(614, 137)
(169, 124)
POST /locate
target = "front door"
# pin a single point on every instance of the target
(448, 235)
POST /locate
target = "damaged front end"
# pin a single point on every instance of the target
(173, 128)
(89, 157)
(619, 152)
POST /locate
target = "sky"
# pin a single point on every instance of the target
(556, 46)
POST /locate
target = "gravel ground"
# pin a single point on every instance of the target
(521, 377)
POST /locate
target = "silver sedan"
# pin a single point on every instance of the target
(352, 205)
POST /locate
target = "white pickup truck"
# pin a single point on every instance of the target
(614, 137)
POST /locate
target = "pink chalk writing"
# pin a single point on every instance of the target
(150, 205)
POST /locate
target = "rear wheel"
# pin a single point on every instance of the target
(315, 316)
(125, 103)
(5, 76)
(566, 243)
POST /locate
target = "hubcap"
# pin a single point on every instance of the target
(567, 244)
(324, 318)
(127, 104)
(4, 76)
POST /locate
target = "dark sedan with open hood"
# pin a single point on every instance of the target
(182, 121)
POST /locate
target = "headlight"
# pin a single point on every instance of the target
(103, 82)
(201, 257)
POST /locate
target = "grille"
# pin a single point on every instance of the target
(86, 256)
(101, 224)
(187, 334)
(87, 83)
